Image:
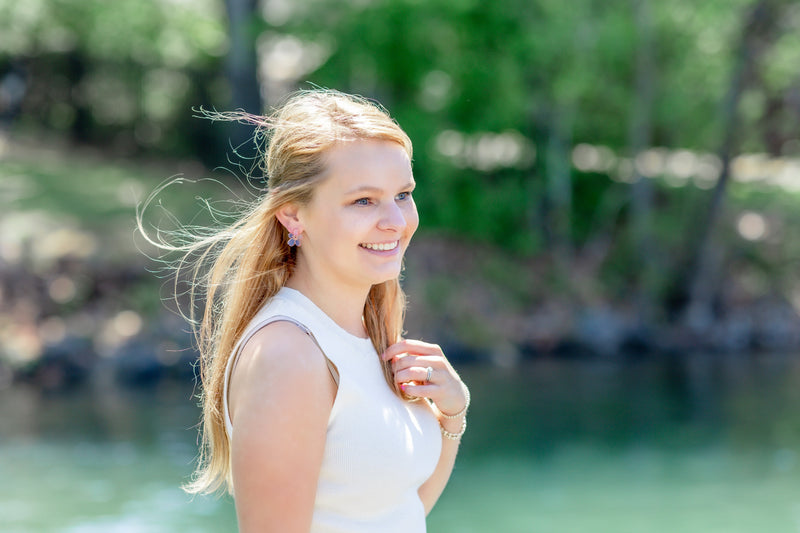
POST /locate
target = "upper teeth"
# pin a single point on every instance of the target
(381, 246)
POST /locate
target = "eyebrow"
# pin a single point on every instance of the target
(371, 189)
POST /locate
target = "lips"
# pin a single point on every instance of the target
(380, 246)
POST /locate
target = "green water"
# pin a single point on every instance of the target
(694, 444)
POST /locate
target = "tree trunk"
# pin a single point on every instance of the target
(640, 139)
(242, 69)
(559, 185)
(81, 129)
(760, 29)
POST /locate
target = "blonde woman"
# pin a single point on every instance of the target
(311, 416)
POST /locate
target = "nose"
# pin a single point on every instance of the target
(392, 218)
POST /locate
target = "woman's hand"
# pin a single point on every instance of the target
(422, 371)
(411, 360)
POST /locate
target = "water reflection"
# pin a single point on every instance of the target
(696, 443)
(669, 402)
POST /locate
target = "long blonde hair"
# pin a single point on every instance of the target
(235, 270)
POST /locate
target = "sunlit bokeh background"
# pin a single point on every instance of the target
(609, 251)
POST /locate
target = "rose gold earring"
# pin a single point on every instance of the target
(294, 239)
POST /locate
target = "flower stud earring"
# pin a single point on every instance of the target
(294, 239)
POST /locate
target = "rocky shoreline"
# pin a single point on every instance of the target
(60, 334)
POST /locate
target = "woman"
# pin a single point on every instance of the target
(310, 416)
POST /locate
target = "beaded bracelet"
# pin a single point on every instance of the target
(461, 412)
(455, 436)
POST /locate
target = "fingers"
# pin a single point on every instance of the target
(411, 347)
(415, 373)
(422, 361)
(411, 359)
(416, 390)
(412, 353)
(444, 388)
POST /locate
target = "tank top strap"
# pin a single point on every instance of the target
(252, 330)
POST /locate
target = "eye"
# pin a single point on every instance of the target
(404, 196)
(362, 201)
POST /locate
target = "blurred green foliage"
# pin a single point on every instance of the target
(124, 73)
(496, 96)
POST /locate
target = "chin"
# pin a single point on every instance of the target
(383, 279)
(386, 275)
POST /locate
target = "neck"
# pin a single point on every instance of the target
(345, 305)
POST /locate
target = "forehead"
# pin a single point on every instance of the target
(367, 163)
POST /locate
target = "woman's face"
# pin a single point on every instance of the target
(361, 217)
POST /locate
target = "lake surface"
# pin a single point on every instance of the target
(692, 444)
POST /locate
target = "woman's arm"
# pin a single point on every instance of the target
(410, 361)
(281, 394)
(430, 491)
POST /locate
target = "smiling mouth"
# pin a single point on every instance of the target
(380, 246)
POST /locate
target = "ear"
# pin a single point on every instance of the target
(289, 217)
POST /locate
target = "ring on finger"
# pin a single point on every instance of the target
(430, 373)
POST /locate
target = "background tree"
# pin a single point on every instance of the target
(586, 134)
(760, 30)
(242, 66)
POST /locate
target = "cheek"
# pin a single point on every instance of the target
(412, 218)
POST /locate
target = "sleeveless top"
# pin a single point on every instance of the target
(379, 448)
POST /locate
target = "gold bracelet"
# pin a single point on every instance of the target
(461, 412)
(455, 436)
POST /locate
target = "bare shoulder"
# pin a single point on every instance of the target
(281, 361)
(281, 395)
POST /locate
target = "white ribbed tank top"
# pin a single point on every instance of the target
(379, 449)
